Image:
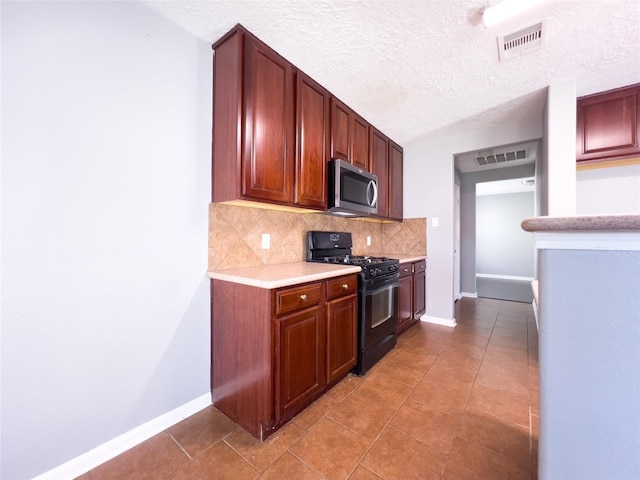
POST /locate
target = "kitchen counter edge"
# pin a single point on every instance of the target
(408, 258)
(282, 275)
(630, 222)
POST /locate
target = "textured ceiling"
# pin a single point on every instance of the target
(419, 69)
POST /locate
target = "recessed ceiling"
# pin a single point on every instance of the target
(500, 187)
(420, 69)
(512, 155)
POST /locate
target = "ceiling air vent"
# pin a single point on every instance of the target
(487, 157)
(524, 40)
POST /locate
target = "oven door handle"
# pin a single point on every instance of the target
(380, 283)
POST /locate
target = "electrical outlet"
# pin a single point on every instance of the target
(435, 221)
(266, 241)
(368, 240)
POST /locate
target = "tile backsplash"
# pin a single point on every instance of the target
(235, 235)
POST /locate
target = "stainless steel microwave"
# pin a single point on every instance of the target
(352, 190)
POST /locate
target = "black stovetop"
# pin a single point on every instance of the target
(335, 247)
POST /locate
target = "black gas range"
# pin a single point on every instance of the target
(378, 285)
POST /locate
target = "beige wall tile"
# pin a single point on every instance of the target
(235, 235)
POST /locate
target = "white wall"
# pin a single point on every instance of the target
(608, 190)
(106, 118)
(502, 246)
(429, 192)
(560, 145)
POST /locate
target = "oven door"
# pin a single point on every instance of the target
(379, 297)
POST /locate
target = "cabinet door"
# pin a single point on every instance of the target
(312, 143)
(395, 181)
(342, 337)
(268, 136)
(405, 299)
(301, 360)
(380, 166)
(419, 291)
(360, 142)
(340, 130)
(608, 125)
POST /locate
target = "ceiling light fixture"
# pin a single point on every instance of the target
(504, 9)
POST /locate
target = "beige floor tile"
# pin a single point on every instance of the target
(426, 424)
(397, 456)
(200, 431)
(289, 467)
(152, 459)
(220, 462)
(468, 460)
(331, 449)
(262, 454)
(362, 414)
(495, 434)
(363, 473)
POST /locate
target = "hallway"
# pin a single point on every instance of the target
(447, 403)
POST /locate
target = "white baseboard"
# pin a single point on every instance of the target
(439, 321)
(469, 295)
(112, 448)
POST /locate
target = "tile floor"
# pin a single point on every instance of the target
(446, 403)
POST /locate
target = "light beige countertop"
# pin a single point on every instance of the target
(282, 275)
(625, 223)
(408, 258)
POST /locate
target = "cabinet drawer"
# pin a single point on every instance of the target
(420, 266)
(298, 297)
(341, 286)
(405, 269)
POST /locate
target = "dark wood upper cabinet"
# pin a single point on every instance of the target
(275, 130)
(608, 125)
(379, 148)
(268, 140)
(270, 127)
(312, 142)
(349, 135)
(360, 144)
(340, 130)
(396, 175)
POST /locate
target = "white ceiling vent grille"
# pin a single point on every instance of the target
(524, 40)
(487, 157)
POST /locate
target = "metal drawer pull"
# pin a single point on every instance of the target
(303, 297)
(345, 286)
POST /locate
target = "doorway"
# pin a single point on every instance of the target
(504, 252)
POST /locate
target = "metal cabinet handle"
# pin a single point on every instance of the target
(303, 297)
(345, 286)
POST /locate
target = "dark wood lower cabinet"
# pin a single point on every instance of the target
(411, 299)
(342, 337)
(273, 352)
(300, 347)
(419, 289)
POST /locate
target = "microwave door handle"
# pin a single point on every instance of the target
(372, 186)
